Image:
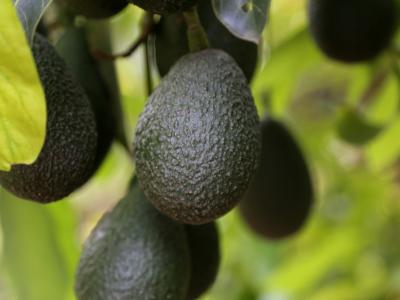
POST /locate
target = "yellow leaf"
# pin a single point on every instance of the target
(22, 101)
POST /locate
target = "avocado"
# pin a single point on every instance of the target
(352, 30)
(164, 7)
(92, 9)
(280, 196)
(67, 157)
(171, 41)
(198, 139)
(205, 257)
(74, 49)
(134, 253)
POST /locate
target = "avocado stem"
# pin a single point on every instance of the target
(196, 34)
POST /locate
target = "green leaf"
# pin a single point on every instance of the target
(22, 102)
(30, 12)
(39, 251)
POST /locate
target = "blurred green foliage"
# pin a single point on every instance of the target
(348, 249)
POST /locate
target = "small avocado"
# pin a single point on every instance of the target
(280, 196)
(74, 49)
(352, 30)
(164, 7)
(205, 257)
(92, 9)
(134, 253)
(67, 157)
(198, 139)
(171, 40)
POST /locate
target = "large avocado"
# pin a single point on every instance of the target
(352, 30)
(164, 7)
(171, 40)
(280, 196)
(205, 257)
(67, 157)
(198, 140)
(74, 49)
(98, 9)
(134, 253)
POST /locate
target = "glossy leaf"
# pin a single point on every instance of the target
(244, 18)
(30, 12)
(22, 102)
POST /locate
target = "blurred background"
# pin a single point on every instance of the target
(350, 246)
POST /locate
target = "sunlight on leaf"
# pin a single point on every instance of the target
(22, 104)
(30, 12)
(244, 18)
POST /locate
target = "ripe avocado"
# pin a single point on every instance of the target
(198, 140)
(134, 253)
(98, 9)
(164, 7)
(74, 49)
(171, 40)
(352, 30)
(280, 196)
(205, 257)
(67, 157)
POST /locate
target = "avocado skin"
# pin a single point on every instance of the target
(92, 9)
(134, 253)
(164, 7)
(205, 257)
(352, 30)
(280, 196)
(67, 157)
(198, 139)
(74, 49)
(171, 41)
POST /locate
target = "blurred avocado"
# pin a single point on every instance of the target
(171, 41)
(74, 49)
(280, 196)
(134, 253)
(352, 30)
(164, 7)
(94, 9)
(198, 139)
(67, 157)
(205, 257)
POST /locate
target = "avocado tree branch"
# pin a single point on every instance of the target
(196, 34)
(147, 27)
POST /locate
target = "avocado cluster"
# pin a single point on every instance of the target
(136, 253)
(352, 30)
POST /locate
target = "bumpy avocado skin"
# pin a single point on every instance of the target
(352, 30)
(171, 41)
(198, 140)
(67, 157)
(280, 196)
(134, 253)
(164, 7)
(92, 9)
(205, 257)
(74, 49)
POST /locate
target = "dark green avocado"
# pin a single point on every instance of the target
(198, 140)
(352, 30)
(205, 257)
(164, 7)
(98, 9)
(134, 253)
(67, 157)
(280, 196)
(171, 41)
(74, 49)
